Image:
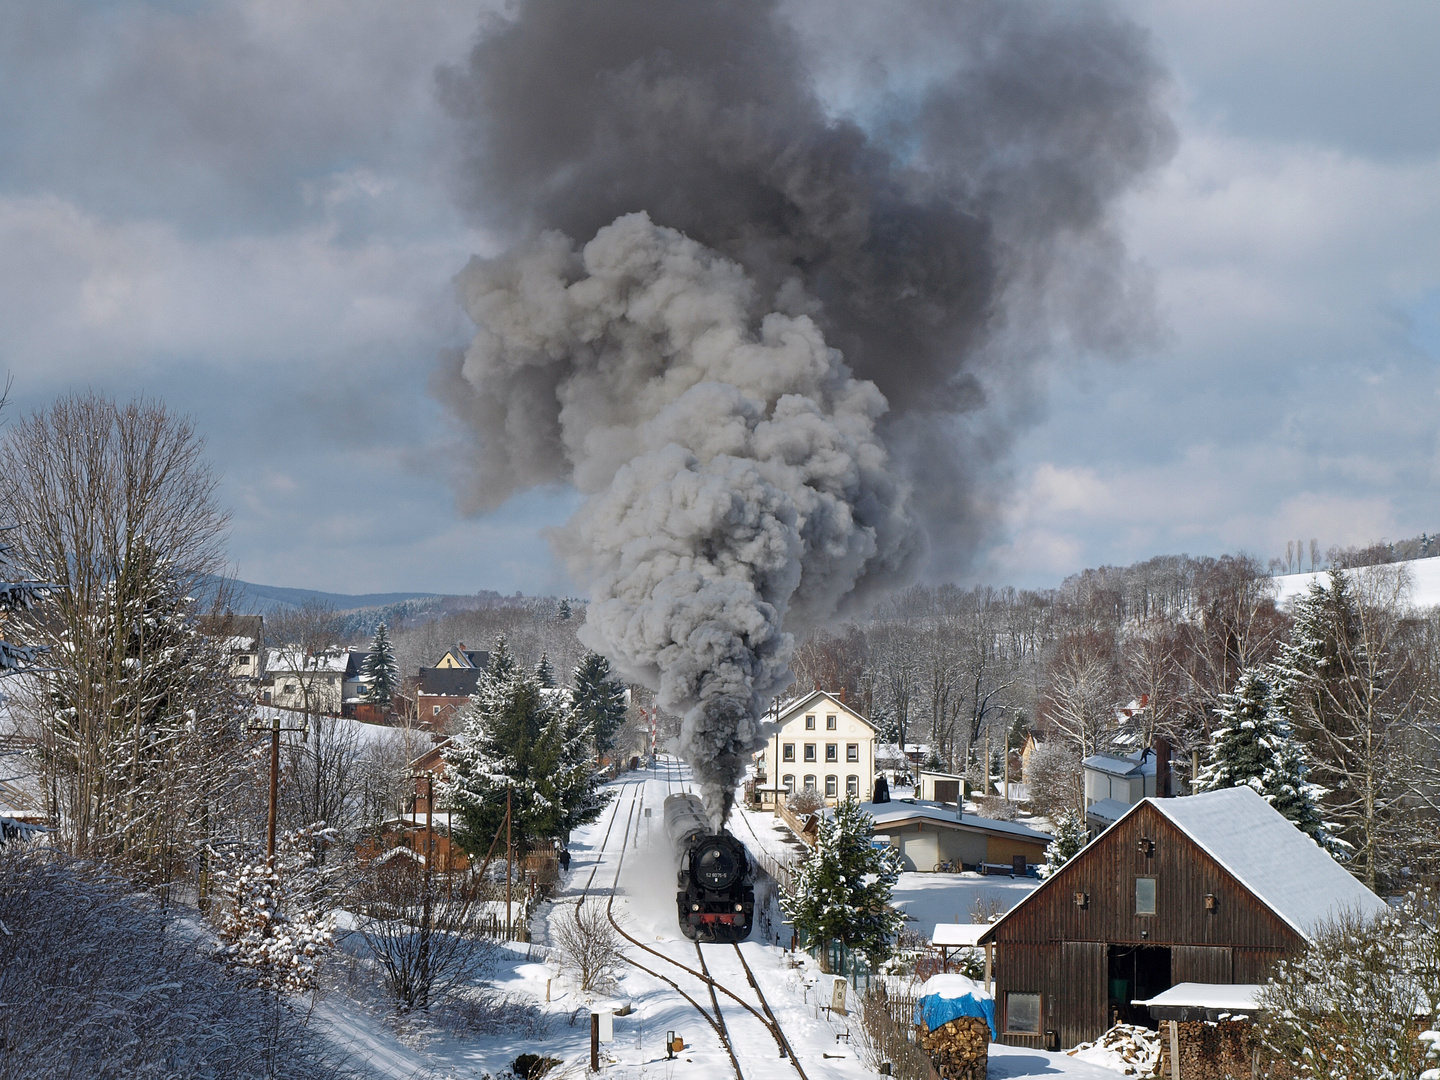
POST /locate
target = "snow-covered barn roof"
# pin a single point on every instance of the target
(1258, 846)
(1267, 854)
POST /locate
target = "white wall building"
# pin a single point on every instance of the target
(821, 744)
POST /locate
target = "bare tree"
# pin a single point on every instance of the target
(588, 942)
(1081, 690)
(136, 717)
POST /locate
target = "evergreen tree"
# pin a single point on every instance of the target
(16, 595)
(842, 890)
(563, 615)
(1254, 747)
(1070, 837)
(515, 738)
(379, 671)
(599, 700)
(545, 672)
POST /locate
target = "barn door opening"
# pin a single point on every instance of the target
(1137, 972)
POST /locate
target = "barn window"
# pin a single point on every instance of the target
(852, 751)
(1144, 896)
(832, 752)
(852, 786)
(788, 752)
(809, 751)
(809, 723)
(831, 787)
(1022, 1013)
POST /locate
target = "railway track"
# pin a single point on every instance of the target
(715, 988)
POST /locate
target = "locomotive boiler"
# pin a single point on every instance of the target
(716, 901)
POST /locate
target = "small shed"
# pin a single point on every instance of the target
(927, 835)
(1210, 888)
(940, 787)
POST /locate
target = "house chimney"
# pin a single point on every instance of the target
(842, 695)
(1161, 746)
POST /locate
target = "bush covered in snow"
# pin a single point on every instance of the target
(97, 984)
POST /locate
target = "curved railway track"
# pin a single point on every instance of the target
(714, 987)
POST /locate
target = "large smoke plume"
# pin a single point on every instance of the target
(712, 369)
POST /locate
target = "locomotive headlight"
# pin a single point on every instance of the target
(694, 907)
(739, 907)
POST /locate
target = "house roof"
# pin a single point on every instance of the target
(1262, 850)
(1140, 763)
(291, 659)
(448, 682)
(897, 813)
(354, 659)
(809, 701)
(953, 934)
(1108, 810)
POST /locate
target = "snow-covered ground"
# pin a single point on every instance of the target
(644, 902)
(1424, 582)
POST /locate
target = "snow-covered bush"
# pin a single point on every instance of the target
(588, 942)
(1053, 779)
(277, 922)
(1353, 1005)
(805, 801)
(97, 984)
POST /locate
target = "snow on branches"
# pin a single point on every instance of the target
(277, 924)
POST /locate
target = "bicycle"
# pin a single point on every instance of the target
(945, 868)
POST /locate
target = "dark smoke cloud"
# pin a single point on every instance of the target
(777, 303)
(962, 230)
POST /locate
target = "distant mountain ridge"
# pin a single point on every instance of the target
(251, 598)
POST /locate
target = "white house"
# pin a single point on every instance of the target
(821, 744)
(295, 677)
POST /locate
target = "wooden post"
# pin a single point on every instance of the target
(1194, 769)
(1174, 1050)
(987, 761)
(274, 788)
(989, 966)
(594, 1042)
(509, 864)
(425, 909)
(1006, 752)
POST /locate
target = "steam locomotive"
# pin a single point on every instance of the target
(716, 901)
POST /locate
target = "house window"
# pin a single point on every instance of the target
(289, 688)
(1144, 896)
(829, 723)
(787, 752)
(789, 781)
(832, 751)
(852, 786)
(1022, 1013)
(809, 723)
(809, 783)
(831, 786)
(852, 751)
(809, 751)
(434, 710)
(243, 661)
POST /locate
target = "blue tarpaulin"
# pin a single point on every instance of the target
(945, 997)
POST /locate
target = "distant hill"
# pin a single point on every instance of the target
(253, 599)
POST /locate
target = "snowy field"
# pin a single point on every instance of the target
(644, 902)
(1424, 582)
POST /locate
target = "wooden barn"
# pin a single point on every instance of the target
(1211, 888)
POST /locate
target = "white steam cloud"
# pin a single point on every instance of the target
(736, 483)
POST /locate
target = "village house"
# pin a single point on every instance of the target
(823, 745)
(1212, 888)
(243, 636)
(932, 837)
(1114, 783)
(295, 680)
(441, 691)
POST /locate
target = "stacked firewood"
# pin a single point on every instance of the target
(960, 1050)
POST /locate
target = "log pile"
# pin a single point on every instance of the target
(960, 1050)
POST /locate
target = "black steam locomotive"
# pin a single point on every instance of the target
(716, 900)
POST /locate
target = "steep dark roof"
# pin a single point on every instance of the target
(448, 682)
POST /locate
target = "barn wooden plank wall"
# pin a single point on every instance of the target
(1059, 948)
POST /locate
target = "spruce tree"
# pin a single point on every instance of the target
(599, 700)
(842, 890)
(379, 671)
(545, 672)
(1070, 837)
(1254, 747)
(515, 738)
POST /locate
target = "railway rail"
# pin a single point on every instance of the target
(714, 1016)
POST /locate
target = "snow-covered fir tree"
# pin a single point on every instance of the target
(16, 595)
(545, 672)
(841, 892)
(600, 700)
(564, 613)
(379, 671)
(1254, 747)
(518, 739)
(277, 924)
(1070, 837)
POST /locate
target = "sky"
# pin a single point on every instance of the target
(247, 210)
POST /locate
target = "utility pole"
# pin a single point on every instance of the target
(274, 788)
(509, 864)
(425, 910)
